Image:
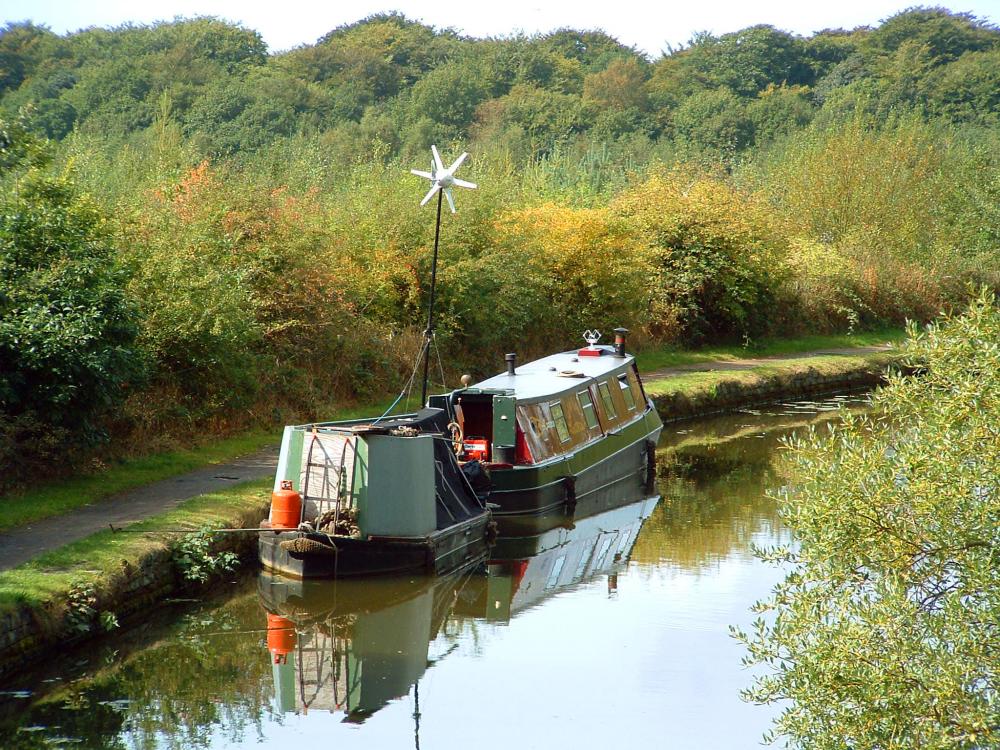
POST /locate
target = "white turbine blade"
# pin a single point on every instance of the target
(451, 201)
(425, 175)
(430, 194)
(458, 162)
(463, 183)
(438, 166)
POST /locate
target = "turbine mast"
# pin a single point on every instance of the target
(442, 181)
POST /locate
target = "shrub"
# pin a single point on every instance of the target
(716, 255)
(548, 273)
(883, 633)
(66, 329)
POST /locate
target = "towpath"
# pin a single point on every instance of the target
(23, 543)
(19, 545)
(750, 363)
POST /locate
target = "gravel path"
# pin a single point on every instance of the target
(25, 542)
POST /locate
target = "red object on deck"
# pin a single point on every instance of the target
(588, 352)
(280, 637)
(522, 453)
(286, 507)
(476, 449)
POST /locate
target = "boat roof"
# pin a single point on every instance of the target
(556, 374)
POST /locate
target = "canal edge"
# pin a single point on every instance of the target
(145, 581)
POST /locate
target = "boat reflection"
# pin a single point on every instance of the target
(352, 646)
(526, 569)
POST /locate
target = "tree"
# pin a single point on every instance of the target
(886, 630)
(946, 35)
(826, 49)
(748, 60)
(594, 50)
(620, 86)
(778, 111)
(716, 256)
(543, 116)
(66, 331)
(713, 121)
(967, 90)
(448, 95)
(23, 46)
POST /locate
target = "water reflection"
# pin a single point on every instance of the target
(525, 570)
(577, 632)
(350, 647)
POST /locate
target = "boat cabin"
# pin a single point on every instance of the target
(546, 408)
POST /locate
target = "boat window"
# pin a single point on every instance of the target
(553, 578)
(559, 419)
(535, 426)
(578, 432)
(626, 389)
(604, 551)
(633, 379)
(587, 404)
(609, 406)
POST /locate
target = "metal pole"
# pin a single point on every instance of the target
(416, 715)
(429, 333)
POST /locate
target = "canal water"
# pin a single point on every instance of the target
(608, 631)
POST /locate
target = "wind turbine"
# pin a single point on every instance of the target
(442, 181)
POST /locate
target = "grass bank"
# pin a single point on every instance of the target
(649, 361)
(683, 395)
(101, 559)
(49, 499)
(86, 588)
(45, 500)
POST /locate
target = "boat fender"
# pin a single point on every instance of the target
(569, 482)
(650, 467)
(303, 545)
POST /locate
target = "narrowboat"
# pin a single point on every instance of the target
(572, 432)
(568, 434)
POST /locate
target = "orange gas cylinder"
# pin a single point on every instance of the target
(286, 507)
(280, 637)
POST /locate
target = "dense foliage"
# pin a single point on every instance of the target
(885, 632)
(66, 329)
(397, 83)
(245, 226)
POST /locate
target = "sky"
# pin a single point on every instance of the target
(650, 25)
